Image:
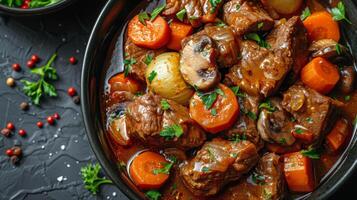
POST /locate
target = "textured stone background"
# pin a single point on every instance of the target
(53, 155)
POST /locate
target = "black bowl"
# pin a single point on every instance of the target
(35, 11)
(97, 57)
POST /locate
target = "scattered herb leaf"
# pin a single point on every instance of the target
(157, 11)
(339, 13)
(347, 98)
(258, 179)
(128, 63)
(267, 105)
(169, 132)
(153, 194)
(91, 179)
(305, 13)
(205, 169)
(165, 105)
(255, 37)
(220, 23)
(164, 170)
(213, 112)
(260, 25)
(143, 16)
(181, 14)
(311, 153)
(214, 4)
(152, 75)
(148, 59)
(338, 49)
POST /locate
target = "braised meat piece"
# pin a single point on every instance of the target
(245, 127)
(265, 182)
(216, 164)
(138, 55)
(198, 62)
(246, 16)
(148, 122)
(274, 124)
(310, 109)
(261, 71)
(197, 11)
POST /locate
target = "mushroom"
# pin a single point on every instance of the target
(197, 62)
(347, 80)
(275, 126)
(331, 50)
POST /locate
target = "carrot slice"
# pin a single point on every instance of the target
(121, 83)
(320, 25)
(220, 116)
(298, 172)
(320, 74)
(142, 170)
(178, 32)
(153, 34)
(304, 135)
(337, 137)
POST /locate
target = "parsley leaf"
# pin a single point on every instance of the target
(267, 105)
(38, 3)
(258, 179)
(208, 99)
(214, 4)
(282, 141)
(311, 153)
(213, 112)
(181, 14)
(251, 115)
(339, 13)
(169, 132)
(165, 105)
(91, 179)
(165, 170)
(298, 131)
(220, 23)
(152, 75)
(153, 194)
(143, 16)
(338, 49)
(205, 169)
(260, 25)
(157, 11)
(128, 63)
(305, 13)
(235, 90)
(347, 98)
(237, 138)
(148, 59)
(35, 90)
(258, 39)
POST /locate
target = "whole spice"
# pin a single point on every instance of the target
(35, 58)
(16, 67)
(30, 64)
(39, 124)
(76, 99)
(56, 116)
(6, 132)
(17, 151)
(15, 160)
(51, 120)
(72, 60)
(9, 152)
(10, 82)
(36, 89)
(24, 106)
(71, 91)
(10, 126)
(22, 132)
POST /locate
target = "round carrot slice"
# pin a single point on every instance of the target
(142, 170)
(151, 34)
(221, 115)
(320, 25)
(320, 75)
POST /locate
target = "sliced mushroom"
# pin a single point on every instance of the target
(197, 62)
(331, 50)
(347, 81)
(275, 127)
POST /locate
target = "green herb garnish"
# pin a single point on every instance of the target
(305, 13)
(128, 63)
(205, 169)
(165, 105)
(282, 141)
(181, 14)
(339, 13)
(169, 132)
(260, 25)
(214, 4)
(40, 3)
(220, 23)
(165, 170)
(255, 37)
(157, 11)
(338, 49)
(267, 105)
(209, 98)
(153, 194)
(347, 98)
(35, 90)
(148, 59)
(143, 16)
(258, 179)
(91, 179)
(235, 90)
(252, 115)
(213, 112)
(298, 131)
(311, 153)
(152, 75)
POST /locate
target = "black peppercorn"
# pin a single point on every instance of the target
(15, 160)
(76, 99)
(24, 106)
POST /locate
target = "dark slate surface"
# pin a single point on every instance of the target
(53, 155)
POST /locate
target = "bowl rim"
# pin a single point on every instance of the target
(35, 11)
(93, 138)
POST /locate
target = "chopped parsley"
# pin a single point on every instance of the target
(165, 170)
(128, 63)
(237, 7)
(213, 112)
(282, 141)
(205, 169)
(152, 75)
(143, 16)
(164, 104)
(169, 132)
(258, 179)
(311, 153)
(209, 98)
(260, 25)
(220, 23)
(148, 59)
(292, 119)
(157, 11)
(235, 90)
(233, 155)
(339, 13)
(305, 13)
(338, 49)
(309, 120)
(181, 14)
(214, 4)
(298, 131)
(347, 98)
(255, 37)
(251, 115)
(238, 138)
(153, 195)
(267, 105)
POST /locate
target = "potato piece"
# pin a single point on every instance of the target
(163, 77)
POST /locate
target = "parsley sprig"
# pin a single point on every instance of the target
(91, 179)
(339, 13)
(36, 89)
(170, 132)
(153, 194)
(209, 98)
(128, 64)
(255, 37)
(311, 153)
(305, 13)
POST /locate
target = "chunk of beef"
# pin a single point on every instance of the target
(198, 62)
(197, 11)
(246, 126)
(310, 109)
(216, 164)
(139, 55)
(145, 119)
(261, 71)
(246, 16)
(275, 125)
(265, 182)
